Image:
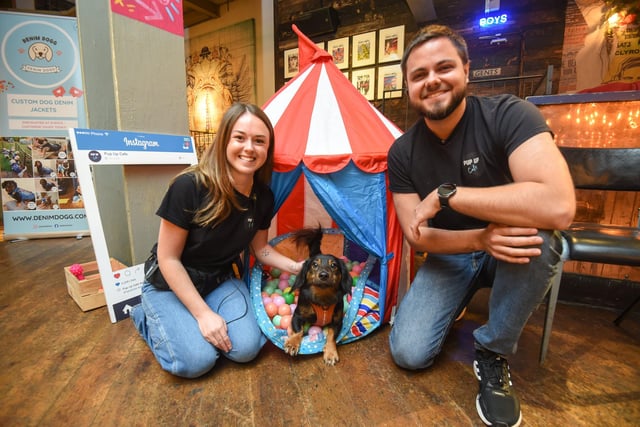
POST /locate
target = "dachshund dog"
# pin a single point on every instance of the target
(323, 282)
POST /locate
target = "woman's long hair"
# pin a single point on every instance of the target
(213, 172)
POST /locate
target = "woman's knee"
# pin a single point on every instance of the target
(190, 365)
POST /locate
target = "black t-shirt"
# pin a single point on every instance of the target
(475, 155)
(207, 248)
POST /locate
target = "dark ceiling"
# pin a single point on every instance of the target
(194, 11)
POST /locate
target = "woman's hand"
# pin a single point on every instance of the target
(511, 244)
(214, 330)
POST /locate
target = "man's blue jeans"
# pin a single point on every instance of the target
(174, 337)
(443, 286)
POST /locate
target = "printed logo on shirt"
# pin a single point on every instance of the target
(471, 165)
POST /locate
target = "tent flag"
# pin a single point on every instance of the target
(308, 51)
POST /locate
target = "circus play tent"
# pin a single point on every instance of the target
(331, 146)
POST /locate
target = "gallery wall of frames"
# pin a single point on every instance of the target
(371, 61)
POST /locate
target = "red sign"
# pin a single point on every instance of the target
(163, 14)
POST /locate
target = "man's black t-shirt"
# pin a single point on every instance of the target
(475, 155)
(207, 248)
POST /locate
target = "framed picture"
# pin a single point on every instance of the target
(291, 63)
(320, 45)
(364, 80)
(363, 49)
(339, 49)
(389, 82)
(391, 44)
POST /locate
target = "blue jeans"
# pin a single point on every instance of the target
(174, 337)
(444, 285)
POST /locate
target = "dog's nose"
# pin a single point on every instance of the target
(323, 275)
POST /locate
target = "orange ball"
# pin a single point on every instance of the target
(271, 309)
(284, 310)
(285, 321)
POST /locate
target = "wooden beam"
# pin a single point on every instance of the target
(203, 6)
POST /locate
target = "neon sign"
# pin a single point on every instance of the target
(490, 21)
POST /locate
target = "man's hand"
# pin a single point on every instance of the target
(511, 244)
(424, 211)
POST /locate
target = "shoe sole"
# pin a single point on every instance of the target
(479, 408)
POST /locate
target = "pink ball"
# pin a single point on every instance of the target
(266, 300)
(356, 269)
(283, 284)
(277, 299)
(284, 275)
(315, 331)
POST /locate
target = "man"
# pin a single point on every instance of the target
(478, 184)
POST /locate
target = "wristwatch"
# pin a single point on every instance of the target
(445, 192)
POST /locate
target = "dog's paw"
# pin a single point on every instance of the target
(292, 345)
(330, 357)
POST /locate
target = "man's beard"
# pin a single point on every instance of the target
(441, 111)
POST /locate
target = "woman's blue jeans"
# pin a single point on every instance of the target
(174, 337)
(444, 285)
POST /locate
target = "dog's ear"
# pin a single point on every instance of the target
(301, 278)
(347, 281)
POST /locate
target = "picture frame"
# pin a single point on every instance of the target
(391, 44)
(339, 50)
(389, 82)
(364, 80)
(363, 49)
(291, 63)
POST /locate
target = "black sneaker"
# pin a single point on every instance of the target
(497, 403)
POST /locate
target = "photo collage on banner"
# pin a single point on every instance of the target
(38, 173)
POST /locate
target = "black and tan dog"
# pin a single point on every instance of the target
(323, 282)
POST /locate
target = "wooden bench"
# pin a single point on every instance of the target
(613, 169)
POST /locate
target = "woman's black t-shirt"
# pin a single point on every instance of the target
(212, 248)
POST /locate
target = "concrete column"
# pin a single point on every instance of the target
(134, 80)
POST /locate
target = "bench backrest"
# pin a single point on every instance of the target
(615, 169)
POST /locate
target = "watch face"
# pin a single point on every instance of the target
(445, 190)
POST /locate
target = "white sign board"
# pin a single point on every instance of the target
(93, 148)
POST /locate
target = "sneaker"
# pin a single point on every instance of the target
(497, 403)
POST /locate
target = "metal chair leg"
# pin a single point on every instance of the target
(626, 311)
(552, 299)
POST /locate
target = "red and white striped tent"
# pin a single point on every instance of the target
(330, 167)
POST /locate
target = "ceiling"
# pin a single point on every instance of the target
(194, 11)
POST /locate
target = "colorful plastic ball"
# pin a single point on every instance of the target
(285, 321)
(284, 275)
(276, 272)
(283, 284)
(292, 279)
(266, 300)
(284, 309)
(357, 269)
(277, 299)
(315, 333)
(289, 297)
(293, 307)
(276, 320)
(271, 309)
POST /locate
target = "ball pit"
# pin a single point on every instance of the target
(279, 300)
(362, 307)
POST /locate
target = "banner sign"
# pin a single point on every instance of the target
(40, 75)
(163, 14)
(41, 97)
(94, 148)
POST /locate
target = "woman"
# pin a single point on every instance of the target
(211, 212)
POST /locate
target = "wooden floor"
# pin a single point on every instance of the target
(63, 367)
